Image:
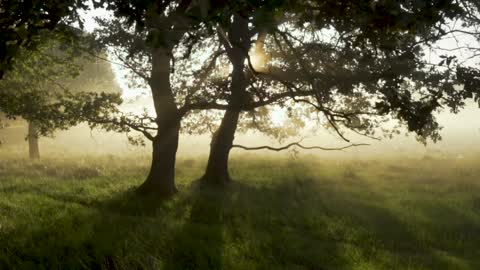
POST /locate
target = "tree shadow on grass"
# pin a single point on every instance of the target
(124, 231)
(72, 232)
(289, 224)
(299, 224)
(198, 242)
(183, 234)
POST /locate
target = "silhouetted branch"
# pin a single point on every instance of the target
(143, 131)
(332, 122)
(297, 144)
(123, 123)
(203, 74)
(134, 69)
(245, 107)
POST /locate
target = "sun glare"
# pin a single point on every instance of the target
(258, 58)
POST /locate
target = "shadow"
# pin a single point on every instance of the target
(291, 223)
(72, 232)
(198, 242)
(128, 202)
(452, 232)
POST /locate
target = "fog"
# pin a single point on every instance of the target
(460, 138)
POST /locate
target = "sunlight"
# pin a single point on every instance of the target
(278, 116)
(258, 57)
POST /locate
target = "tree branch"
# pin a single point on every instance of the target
(297, 144)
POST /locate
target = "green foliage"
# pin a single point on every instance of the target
(348, 59)
(82, 213)
(55, 85)
(22, 23)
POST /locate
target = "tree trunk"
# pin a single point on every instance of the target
(222, 141)
(161, 179)
(32, 136)
(217, 167)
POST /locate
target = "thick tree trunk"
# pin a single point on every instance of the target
(161, 179)
(33, 147)
(217, 167)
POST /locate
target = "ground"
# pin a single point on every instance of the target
(279, 213)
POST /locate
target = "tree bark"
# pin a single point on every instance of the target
(32, 136)
(221, 144)
(161, 179)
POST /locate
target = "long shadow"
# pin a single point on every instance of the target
(90, 235)
(298, 224)
(198, 243)
(453, 232)
(95, 234)
(290, 224)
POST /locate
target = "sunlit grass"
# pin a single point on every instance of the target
(83, 213)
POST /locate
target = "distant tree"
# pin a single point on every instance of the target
(42, 79)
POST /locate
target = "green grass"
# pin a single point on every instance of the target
(83, 213)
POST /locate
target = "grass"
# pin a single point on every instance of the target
(83, 213)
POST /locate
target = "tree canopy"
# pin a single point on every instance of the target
(21, 24)
(55, 84)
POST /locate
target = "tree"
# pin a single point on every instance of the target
(146, 35)
(160, 44)
(462, 59)
(21, 23)
(42, 79)
(358, 63)
(237, 46)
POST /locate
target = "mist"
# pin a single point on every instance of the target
(460, 138)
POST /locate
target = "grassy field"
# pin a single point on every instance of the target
(83, 213)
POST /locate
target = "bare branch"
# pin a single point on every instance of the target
(297, 144)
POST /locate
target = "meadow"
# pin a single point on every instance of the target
(279, 213)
